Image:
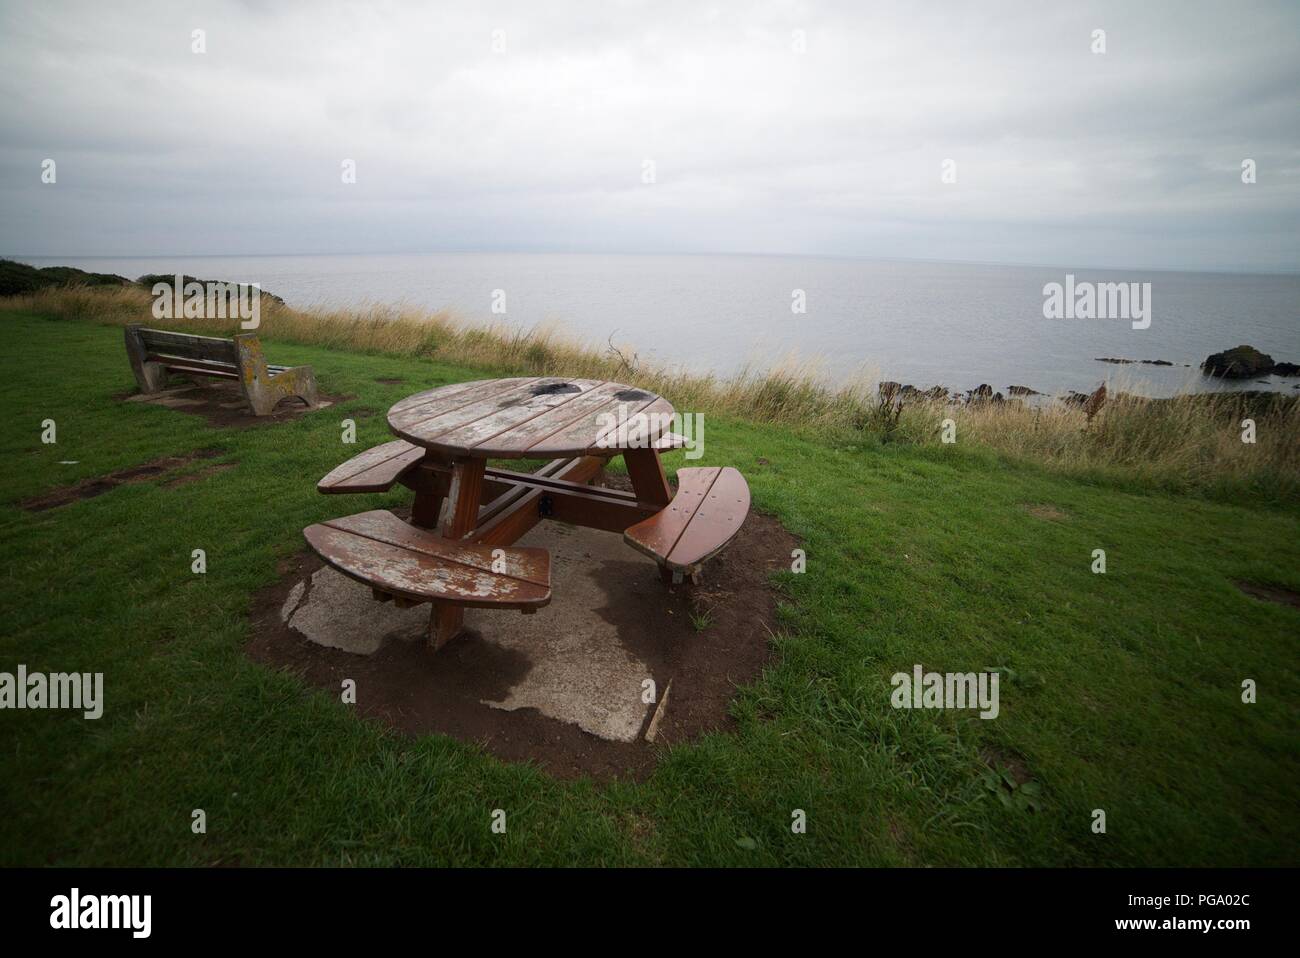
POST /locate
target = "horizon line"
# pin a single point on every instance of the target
(1222, 270)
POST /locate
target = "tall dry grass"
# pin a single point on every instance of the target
(790, 394)
(1189, 443)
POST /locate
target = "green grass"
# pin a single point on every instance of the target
(1120, 691)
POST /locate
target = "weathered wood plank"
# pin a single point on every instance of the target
(150, 377)
(217, 350)
(153, 352)
(599, 425)
(495, 430)
(424, 424)
(382, 526)
(379, 549)
(375, 470)
(197, 369)
(169, 337)
(498, 431)
(468, 391)
(523, 418)
(526, 434)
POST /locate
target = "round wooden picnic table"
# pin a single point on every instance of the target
(465, 424)
(544, 417)
(531, 418)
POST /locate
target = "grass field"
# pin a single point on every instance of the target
(1119, 691)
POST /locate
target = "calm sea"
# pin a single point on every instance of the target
(922, 323)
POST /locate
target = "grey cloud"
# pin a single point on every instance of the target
(1131, 158)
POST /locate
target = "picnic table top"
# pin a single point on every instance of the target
(531, 417)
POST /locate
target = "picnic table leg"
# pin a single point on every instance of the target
(647, 474)
(430, 490)
(464, 493)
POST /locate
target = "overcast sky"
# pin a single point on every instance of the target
(1064, 157)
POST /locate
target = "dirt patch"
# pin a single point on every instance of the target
(222, 403)
(1269, 593)
(486, 685)
(1044, 511)
(90, 488)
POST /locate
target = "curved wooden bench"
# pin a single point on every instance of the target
(707, 512)
(414, 565)
(375, 470)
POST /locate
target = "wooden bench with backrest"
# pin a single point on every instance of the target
(156, 352)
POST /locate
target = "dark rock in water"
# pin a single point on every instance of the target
(889, 390)
(982, 392)
(1108, 359)
(1241, 362)
(1075, 398)
(1156, 362)
(1286, 369)
(1022, 391)
(1143, 362)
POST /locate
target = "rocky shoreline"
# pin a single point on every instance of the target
(1240, 362)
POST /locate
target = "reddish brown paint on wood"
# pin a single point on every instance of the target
(710, 506)
(445, 623)
(464, 497)
(646, 471)
(511, 524)
(595, 511)
(464, 492)
(429, 480)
